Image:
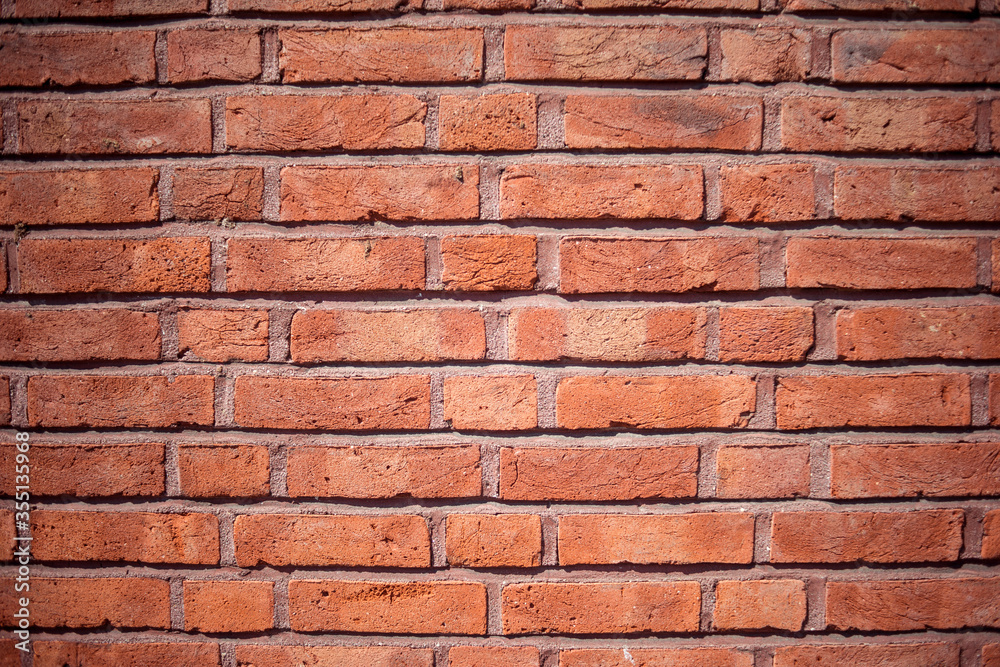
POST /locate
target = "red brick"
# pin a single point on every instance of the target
(916, 56)
(991, 534)
(57, 8)
(901, 471)
(598, 473)
(384, 472)
(92, 603)
(50, 266)
(425, 334)
(491, 402)
(917, 399)
(38, 59)
(3, 269)
(78, 335)
(403, 192)
(762, 471)
(324, 6)
(766, 55)
(328, 540)
(125, 126)
(601, 608)
(654, 657)
(995, 132)
(213, 55)
(326, 265)
(883, 655)
(318, 123)
(967, 332)
(504, 122)
(138, 537)
(116, 401)
(484, 540)
(606, 334)
(219, 194)
(615, 53)
(765, 334)
(493, 656)
(400, 402)
(211, 471)
(686, 121)
(78, 196)
(144, 654)
(88, 471)
(881, 263)
(228, 606)
(400, 607)
(592, 192)
(777, 604)
(880, 6)
(996, 259)
(609, 264)
(7, 530)
(223, 335)
(863, 124)
(674, 539)
(490, 5)
(994, 399)
(872, 537)
(488, 262)
(938, 195)
(342, 656)
(4, 400)
(698, 401)
(914, 604)
(991, 655)
(767, 192)
(381, 55)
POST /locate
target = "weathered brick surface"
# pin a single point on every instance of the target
(764, 471)
(88, 471)
(503, 540)
(765, 334)
(489, 262)
(506, 122)
(991, 534)
(917, 194)
(877, 333)
(80, 654)
(709, 657)
(79, 335)
(889, 655)
(79, 196)
(223, 335)
(213, 55)
(345, 656)
(766, 55)
(78, 602)
(916, 56)
(778, 604)
(217, 194)
(34, 59)
(768, 193)
(212, 471)
(228, 606)
(491, 402)
(493, 656)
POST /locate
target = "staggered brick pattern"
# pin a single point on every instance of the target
(521, 333)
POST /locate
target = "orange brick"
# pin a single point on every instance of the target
(488, 262)
(425, 334)
(884, 655)
(96, 400)
(342, 656)
(504, 540)
(228, 606)
(991, 534)
(211, 471)
(916, 56)
(327, 540)
(831, 401)
(49, 266)
(372, 403)
(700, 401)
(217, 194)
(762, 471)
(765, 334)
(493, 656)
(79, 196)
(777, 604)
(213, 55)
(137, 537)
(598, 473)
(96, 8)
(223, 335)
(36, 59)
(768, 192)
(765, 55)
(593, 192)
(592, 539)
(491, 402)
(78, 602)
(505, 122)
(601, 608)
(873, 537)
(401, 607)
(88, 471)
(709, 657)
(329, 265)
(73, 654)
(79, 335)
(384, 472)
(877, 333)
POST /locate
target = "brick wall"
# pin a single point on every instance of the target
(486, 332)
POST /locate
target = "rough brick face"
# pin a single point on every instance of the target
(576, 333)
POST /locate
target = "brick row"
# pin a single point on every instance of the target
(597, 472)
(679, 52)
(770, 193)
(579, 608)
(506, 402)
